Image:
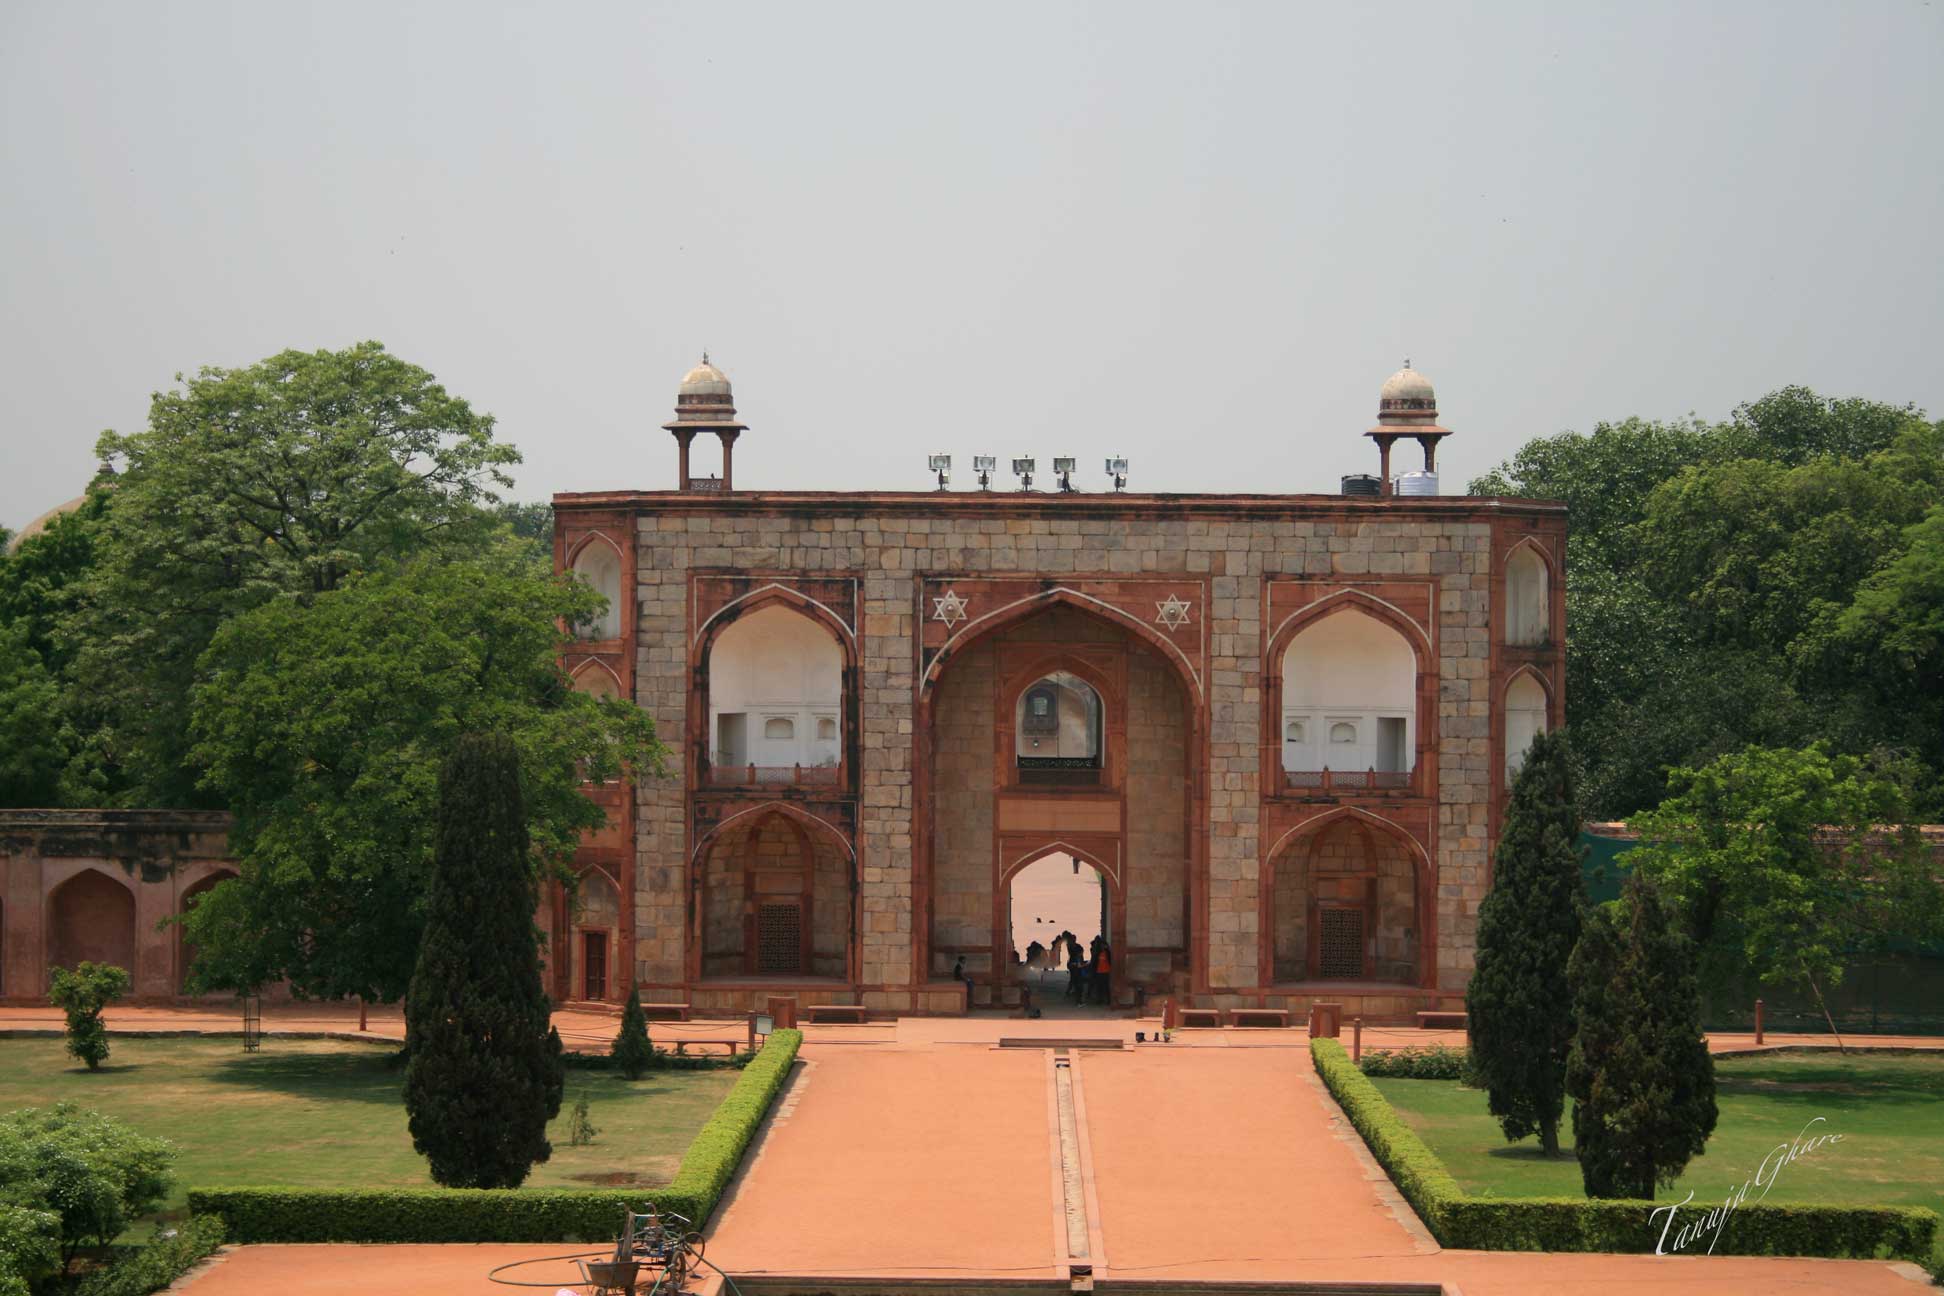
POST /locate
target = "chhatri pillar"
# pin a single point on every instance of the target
(704, 403)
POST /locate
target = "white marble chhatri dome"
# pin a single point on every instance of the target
(704, 380)
(1408, 384)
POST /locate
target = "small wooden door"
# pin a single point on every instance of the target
(594, 965)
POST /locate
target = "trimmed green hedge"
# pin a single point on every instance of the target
(522, 1215)
(1585, 1224)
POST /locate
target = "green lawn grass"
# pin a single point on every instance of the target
(325, 1113)
(1888, 1109)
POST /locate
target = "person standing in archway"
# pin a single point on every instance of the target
(1100, 981)
(1076, 970)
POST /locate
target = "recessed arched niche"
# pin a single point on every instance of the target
(1349, 698)
(1525, 719)
(1528, 619)
(776, 684)
(599, 567)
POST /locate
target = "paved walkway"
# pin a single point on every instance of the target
(919, 1148)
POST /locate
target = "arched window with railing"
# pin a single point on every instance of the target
(1058, 724)
(776, 683)
(1349, 703)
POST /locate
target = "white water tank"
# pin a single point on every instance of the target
(1415, 483)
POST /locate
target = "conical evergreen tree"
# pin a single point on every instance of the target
(1642, 1082)
(632, 1051)
(484, 1073)
(1519, 1016)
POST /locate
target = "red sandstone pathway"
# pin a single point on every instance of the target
(932, 1161)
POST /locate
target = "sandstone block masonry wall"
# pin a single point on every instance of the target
(890, 543)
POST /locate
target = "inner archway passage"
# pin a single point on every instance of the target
(1057, 904)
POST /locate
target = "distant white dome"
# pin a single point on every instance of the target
(1408, 384)
(41, 523)
(704, 380)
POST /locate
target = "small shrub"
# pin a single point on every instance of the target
(1431, 1062)
(633, 1054)
(96, 1175)
(82, 994)
(580, 1124)
(158, 1264)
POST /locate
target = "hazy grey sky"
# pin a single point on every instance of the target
(1198, 234)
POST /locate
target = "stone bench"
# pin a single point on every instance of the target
(665, 1011)
(1199, 1016)
(733, 1045)
(1445, 1019)
(837, 1013)
(1259, 1016)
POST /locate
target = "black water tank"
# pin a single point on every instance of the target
(1362, 484)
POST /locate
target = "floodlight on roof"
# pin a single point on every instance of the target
(1117, 469)
(985, 466)
(1063, 468)
(942, 465)
(1023, 469)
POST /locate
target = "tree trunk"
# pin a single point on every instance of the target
(1549, 1137)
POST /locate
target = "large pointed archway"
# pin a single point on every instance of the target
(990, 796)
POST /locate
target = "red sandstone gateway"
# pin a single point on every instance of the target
(1273, 732)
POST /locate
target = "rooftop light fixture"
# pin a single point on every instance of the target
(1117, 469)
(1023, 469)
(985, 466)
(942, 465)
(1063, 467)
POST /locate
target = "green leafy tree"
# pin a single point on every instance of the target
(633, 1052)
(320, 723)
(1708, 566)
(30, 1247)
(1642, 1082)
(97, 1175)
(42, 582)
(84, 994)
(1889, 644)
(33, 741)
(1750, 549)
(285, 478)
(1789, 864)
(483, 1075)
(1521, 1027)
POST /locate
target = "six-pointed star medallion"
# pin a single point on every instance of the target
(1173, 613)
(950, 609)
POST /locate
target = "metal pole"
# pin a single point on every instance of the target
(1356, 1039)
(1758, 1021)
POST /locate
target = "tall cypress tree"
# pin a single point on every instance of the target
(484, 1073)
(1520, 1021)
(1642, 1082)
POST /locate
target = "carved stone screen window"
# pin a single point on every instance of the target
(1342, 943)
(779, 938)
